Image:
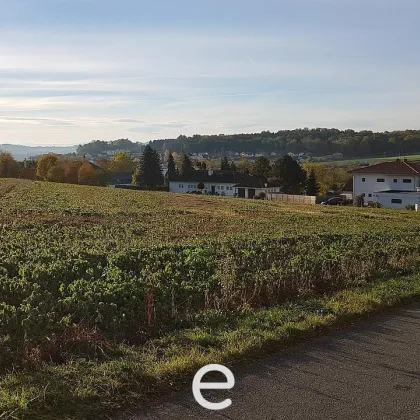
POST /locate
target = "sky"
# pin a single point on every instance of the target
(76, 70)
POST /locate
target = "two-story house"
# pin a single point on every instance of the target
(392, 184)
(224, 183)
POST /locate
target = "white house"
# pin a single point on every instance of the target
(392, 184)
(224, 183)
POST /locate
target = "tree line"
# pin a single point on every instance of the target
(96, 147)
(285, 171)
(310, 178)
(317, 141)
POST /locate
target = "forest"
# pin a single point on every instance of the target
(317, 141)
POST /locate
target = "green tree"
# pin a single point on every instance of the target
(171, 168)
(136, 180)
(9, 167)
(312, 187)
(291, 176)
(233, 166)
(244, 165)
(201, 186)
(122, 162)
(186, 165)
(149, 171)
(224, 166)
(261, 167)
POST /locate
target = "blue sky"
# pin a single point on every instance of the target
(76, 70)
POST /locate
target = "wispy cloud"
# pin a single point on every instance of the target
(188, 69)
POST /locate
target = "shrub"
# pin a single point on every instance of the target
(359, 200)
(374, 205)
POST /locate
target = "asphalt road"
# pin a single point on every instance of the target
(370, 370)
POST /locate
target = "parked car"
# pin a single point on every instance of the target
(334, 201)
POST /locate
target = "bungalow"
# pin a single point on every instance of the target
(225, 183)
(392, 184)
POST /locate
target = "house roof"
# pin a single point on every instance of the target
(95, 167)
(239, 179)
(398, 167)
(121, 177)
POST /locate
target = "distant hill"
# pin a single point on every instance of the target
(98, 147)
(317, 142)
(26, 152)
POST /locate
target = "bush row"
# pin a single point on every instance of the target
(140, 292)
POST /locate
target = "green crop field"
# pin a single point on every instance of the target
(107, 296)
(349, 162)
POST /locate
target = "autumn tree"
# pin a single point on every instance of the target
(55, 174)
(87, 175)
(71, 170)
(107, 169)
(166, 155)
(123, 162)
(44, 164)
(9, 167)
(328, 177)
(244, 165)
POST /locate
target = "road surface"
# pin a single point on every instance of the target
(370, 370)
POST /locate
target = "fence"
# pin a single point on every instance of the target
(288, 198)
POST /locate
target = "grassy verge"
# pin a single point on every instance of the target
(88, 389)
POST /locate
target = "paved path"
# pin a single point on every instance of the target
(368, 371)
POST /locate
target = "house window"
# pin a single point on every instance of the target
(181, 185)
(396, 201)
(395, 180)
(218, 187)
(407, 181)
(380, 180)
(222, 187)
(363, 179)
(369, 195)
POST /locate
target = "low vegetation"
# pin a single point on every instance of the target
(109, 295)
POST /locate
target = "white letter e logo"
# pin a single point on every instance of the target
(197, 386)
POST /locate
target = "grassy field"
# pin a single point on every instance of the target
(349, 162)
(108, 296)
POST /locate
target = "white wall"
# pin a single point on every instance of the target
(386, 200)
(222, 189)
(371, 185)
(227, 190)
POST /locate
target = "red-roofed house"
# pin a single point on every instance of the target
(392, 184)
